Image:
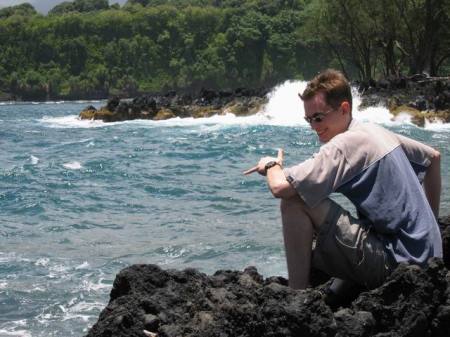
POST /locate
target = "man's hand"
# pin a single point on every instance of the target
(261, 167)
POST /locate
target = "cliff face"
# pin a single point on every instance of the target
(412, 302)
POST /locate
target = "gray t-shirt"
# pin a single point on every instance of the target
(380, 172)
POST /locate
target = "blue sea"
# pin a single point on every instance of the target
(80, 200)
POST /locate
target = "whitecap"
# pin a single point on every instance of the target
(72, 121)
(376, 114)
(284, 106)
(73, 165)
(34, 160)
(91, 286)
(16, 333)
(81, 310)
(403, 118)
(84, 265)
(42, 262)
(436, 126)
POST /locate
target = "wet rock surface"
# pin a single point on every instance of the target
(157, 107)
(169, 303)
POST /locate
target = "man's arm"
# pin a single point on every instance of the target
(278, 184)
(432, 183)
(418, 152)
(276, 179)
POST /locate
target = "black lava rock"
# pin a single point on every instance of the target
(170, 303)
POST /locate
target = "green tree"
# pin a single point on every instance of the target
(24, 9)
(425, 34)
(82, 6)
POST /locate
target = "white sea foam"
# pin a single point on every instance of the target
(72, 121)
(73, 165)
(437, 126)
(34, 160)
(378, 115)
(42, 262)
(91, 286)
(284, 106)
(11, 329)
(81, 310)
(11, 257)
(15, 333)
(84, 265)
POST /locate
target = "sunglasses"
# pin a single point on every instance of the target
(317, 117)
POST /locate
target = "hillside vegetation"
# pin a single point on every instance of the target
(88, 49)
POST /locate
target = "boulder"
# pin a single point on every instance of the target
(147, 300)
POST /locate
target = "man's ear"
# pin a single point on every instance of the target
(345, 107)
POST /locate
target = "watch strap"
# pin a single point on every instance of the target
(270, 164)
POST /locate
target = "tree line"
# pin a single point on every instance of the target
(89, 49)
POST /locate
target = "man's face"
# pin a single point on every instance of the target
(324, 119)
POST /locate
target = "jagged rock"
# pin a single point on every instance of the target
(88, 112)
(425, 98)
(157, 107)
(170, 303)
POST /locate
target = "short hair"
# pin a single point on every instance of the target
(331, 82)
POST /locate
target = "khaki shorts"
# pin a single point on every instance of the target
(348, 249)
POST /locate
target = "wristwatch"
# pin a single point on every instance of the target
(270, 164)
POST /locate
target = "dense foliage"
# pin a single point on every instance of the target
(88, 49)
(80, 6)
(387, 37)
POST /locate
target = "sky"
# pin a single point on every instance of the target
(44, 6)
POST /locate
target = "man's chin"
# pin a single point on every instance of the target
(323, 139)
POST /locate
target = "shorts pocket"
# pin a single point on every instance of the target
(348, 231)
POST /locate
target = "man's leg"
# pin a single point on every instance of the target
(299, 223)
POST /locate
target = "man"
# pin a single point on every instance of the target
(380, 172)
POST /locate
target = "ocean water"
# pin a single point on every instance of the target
(80, 200)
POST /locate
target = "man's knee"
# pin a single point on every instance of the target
(294, 204)
(297, 207)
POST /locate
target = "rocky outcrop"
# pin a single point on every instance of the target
(424, 98)
(157, 107)
(169, 303)
(6, 97)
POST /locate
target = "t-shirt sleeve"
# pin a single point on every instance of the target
(419, 155)
(416, 152)
(316, 178)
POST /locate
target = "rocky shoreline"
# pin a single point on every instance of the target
(424, 98)
(206, 103)
(148, 301)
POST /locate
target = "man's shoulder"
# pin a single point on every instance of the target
(366, 133)
(365, 143)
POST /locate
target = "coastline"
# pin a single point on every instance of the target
(424, 99)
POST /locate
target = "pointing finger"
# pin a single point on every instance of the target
(280, 156)
(253, 169)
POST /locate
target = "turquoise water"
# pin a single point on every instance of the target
(80, 200)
